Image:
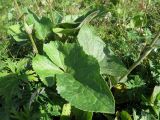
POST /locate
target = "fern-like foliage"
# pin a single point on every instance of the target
(135, 83)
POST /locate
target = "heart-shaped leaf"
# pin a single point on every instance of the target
(77, 75)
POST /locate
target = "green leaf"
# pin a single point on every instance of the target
(85, 96)
(50, 108)
(60, 31)
(47, 66)
(45, 69)
(9, 88)
(66, 28)
(43, 26)
(125, 115)
(21, 65)
(155, 68)
(135, 83)
(140, 20)
(66, 112)
(30, 76)
(111, 64)
(69, 18)
(72, 23)
(2, 65)
(143, 115)
(16, 66)
(155, 100)
(51, 103)
(16, 32)
(55, 56)
(83, 85)
(79, 80)
(93, 45)
(155, 93)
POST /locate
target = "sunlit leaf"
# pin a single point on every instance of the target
(93, 45)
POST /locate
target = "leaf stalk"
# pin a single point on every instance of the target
(33, 44)
(145, 53)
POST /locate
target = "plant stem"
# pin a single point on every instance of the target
(17, 7)
(33, 44)
(50, 8)
(145, 52)
(38, 9)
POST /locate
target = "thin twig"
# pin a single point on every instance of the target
(145, 52)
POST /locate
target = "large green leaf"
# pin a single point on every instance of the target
(83, 85)
(46, 69)
(86, 94)
(93, 45)
(78, 77)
